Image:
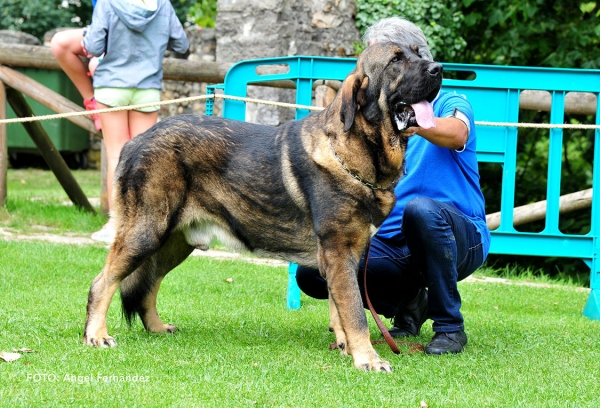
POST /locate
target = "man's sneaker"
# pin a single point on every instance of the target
(90, 104)
(443, 343)
(411, 316)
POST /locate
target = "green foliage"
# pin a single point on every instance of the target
(441, 22)
(559, 33)
(181, 8)
(204, 13)
(41, 16)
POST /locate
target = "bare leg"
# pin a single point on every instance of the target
(118, 128)
(115, 128)
(139, 122)
(66, 47)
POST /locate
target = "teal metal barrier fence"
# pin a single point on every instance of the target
(494, 92)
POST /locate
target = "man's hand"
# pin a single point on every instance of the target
(411, 131)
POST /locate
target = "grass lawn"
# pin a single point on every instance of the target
(37, 203)
(237, 346)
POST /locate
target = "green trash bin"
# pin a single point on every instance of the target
(70, 140)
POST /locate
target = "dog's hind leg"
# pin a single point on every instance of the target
(135, 242)
(119, 263)
(140, 289)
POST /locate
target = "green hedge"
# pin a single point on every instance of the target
(441, 22)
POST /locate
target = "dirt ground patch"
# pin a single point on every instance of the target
(78, 239)
(9, 234)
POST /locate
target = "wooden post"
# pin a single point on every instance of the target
(48, 151)
(3, 146)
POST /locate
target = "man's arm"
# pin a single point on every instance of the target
(449, 132)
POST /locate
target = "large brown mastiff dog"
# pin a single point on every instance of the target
(311, 191)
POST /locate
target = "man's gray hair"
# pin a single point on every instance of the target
(399, 31)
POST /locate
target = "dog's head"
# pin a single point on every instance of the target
(388, 79)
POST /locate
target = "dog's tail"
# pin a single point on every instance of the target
(134, 289)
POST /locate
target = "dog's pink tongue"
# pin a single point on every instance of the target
(424, 114)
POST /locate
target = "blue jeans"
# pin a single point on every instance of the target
(440, 248)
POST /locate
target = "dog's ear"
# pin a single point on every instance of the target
(353, 95)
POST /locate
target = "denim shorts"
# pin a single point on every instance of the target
(117, 97)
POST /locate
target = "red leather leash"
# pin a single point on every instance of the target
(386, 334)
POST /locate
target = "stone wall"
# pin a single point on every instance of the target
(248, 29)
(272, 28)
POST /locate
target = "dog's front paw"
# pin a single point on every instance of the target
(100, 341)
(170, 328)
(372, 364)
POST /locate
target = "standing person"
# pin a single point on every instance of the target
(133, 35)
(67, 47)
(436, 235)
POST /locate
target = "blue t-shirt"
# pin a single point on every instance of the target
(441, 174)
